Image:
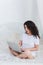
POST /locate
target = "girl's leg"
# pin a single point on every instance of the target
(14, 52)
(26, 54)
(29, 55)
(22, 55)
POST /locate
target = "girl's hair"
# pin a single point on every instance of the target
(32, 27)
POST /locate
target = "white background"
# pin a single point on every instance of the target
(12, 11)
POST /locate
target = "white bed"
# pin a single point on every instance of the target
(7, 57)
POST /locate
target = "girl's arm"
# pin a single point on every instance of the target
(35, 48)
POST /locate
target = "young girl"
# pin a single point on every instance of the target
(29, 43)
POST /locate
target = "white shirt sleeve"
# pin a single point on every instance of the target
(36, 41)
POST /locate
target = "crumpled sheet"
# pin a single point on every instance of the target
(7, 57)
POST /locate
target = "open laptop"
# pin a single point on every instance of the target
(14, 46)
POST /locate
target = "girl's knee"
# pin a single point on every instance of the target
(27, 52)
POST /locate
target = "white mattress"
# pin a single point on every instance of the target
(7, 58)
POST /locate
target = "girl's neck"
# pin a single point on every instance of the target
(29, 34)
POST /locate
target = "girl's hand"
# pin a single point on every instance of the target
(22, 49)
(20, 43)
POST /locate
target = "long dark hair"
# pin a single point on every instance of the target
(32, 27)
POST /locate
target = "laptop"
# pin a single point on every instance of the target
(14, 46)
(14, 43)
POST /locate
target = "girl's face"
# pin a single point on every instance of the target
(27, 30)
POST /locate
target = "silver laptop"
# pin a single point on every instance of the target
(14, 46)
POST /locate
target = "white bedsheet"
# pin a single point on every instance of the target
(9, 59)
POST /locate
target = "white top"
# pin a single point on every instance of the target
(29, 41)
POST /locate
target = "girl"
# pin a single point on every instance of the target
(29, 43)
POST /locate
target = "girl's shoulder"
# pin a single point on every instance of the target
(36, 38)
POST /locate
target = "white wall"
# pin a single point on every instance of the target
(11, 11)
(40, 6)
(18, 11)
